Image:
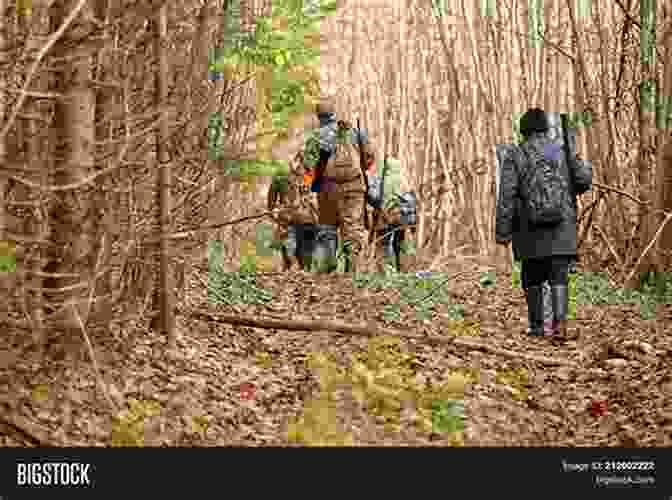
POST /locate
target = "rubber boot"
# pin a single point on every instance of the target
(560, 300)
(535, 311)
(549, 324)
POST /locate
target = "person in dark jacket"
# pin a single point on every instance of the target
(546, 253)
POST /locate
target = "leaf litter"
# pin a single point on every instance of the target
(240, 385)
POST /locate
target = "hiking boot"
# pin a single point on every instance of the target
(535, 311)
(560, 300)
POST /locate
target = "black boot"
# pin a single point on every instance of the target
(560, 300)
(535, 311)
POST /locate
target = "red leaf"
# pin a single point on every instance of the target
(598, 408)
(247, 390)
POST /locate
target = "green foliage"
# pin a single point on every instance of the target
(382, 381)
(571, 313)
(515, 124)
(216, 138)
(594, 288)
(311, 152)
(408, 247)
(128, 428)
(447, 416)
(488, 279)
(422, 294)
(284, 51)
(233, 34)
(7, 263)
(226, 287)
(439, 7)
(264, 239)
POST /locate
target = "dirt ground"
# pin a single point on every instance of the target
(239, 385)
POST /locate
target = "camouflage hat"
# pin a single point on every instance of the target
(325, 105)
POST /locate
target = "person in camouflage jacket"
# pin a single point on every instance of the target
(339, 182)
(391, 228)
(545, 252)
(296, 212)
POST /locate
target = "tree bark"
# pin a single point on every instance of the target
(165, 300)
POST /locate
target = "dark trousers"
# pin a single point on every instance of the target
(312, 241)
(555, 270)
(392, 235)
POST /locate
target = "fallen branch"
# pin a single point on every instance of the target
(187, 234)
(367, 331)
(27, 431)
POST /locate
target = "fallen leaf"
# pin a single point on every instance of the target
(247, 390)
(598, 408)
(616, 363)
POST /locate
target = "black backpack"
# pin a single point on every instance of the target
(408, 206)
(408, 202)
(543, 188)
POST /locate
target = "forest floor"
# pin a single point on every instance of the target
(228, 384)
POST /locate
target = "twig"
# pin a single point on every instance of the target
(648, 247)
(187, 234)
(26, 431)
(628, 195)
(99, 377)
(627, 14)
(52, 40)
(609, 245)
(367, 331)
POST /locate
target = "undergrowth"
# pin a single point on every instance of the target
(225, 287)
(595, 288)
(422, 293)
(7, 257)
(382, 381)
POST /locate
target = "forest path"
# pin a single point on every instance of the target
(240, 385)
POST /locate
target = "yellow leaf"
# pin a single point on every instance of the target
(40, 393)
(455, 384)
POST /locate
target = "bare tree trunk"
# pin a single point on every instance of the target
(73, 214)
(166, 300)
(647, 128)
(664, 173)
(39, 140)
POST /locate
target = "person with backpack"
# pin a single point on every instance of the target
(296, 214)
(502, 151)
(333, 150)
(398, 207)
(537, 211)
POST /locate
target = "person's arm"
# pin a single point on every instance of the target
(582, 174)
(580, 171)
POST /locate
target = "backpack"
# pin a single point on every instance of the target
(543, 189)
(408, 203)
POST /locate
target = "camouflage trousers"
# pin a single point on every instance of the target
(342, 205)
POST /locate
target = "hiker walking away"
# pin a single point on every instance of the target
(339, 181)
(297, 212)
(503, 151)
(388, 192)
(542, 181)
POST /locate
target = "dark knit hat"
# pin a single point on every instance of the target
(534, 120)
